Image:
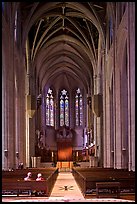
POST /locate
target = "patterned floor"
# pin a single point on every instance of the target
(65, 190)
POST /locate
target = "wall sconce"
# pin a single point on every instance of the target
(17, 154)
(6, 153)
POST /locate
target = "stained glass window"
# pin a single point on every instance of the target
(110, 31)
(2, 6)
(64, 108)
(15, 27)
(79, 107)
(50, 108)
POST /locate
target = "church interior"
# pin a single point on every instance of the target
(68, 96)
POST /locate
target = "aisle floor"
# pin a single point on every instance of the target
(60, 194)
(71, 190)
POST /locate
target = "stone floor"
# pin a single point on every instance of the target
(64, 190)
(70, 191)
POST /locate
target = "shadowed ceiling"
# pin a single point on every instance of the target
(63, 41)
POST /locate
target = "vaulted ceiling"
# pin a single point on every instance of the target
(63, 40)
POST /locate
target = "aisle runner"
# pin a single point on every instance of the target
(66, 187)
(64, 190)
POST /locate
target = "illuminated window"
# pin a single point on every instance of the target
(15, 27)
(2, 6)
(110, 30)
(78, 107)
(50, 108)
(64, 108)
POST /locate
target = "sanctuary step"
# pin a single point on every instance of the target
(64, 164)
(65, 169)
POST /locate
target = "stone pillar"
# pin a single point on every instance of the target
(71, 110)
(5, 113)
(89, 118)
(98, 122)
(104, 153)
(57, 114)
(19, 113)
(131, 85)
(118, 161)
(17, 126)
(29, 90)
(95, 117)
(99, 91)
(108, 132)
(22, 108)
(10, 97)
(43, 115)
(10, 100)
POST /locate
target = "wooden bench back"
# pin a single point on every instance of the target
(22, 173)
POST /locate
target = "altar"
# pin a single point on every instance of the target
(64, 165)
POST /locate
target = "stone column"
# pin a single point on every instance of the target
(104, 152)
(89, 108)
(57, 113)
(19, 115)
(22, 108)
(17, 122)
(131, 85)
(11, 101)
(71, 110)
(98, 122)
(43, 115)
(118, 161)
(95, 117)
(108, 132)
(5, 114)
(33, 92)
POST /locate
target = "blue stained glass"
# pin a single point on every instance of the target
(64, 108)
(66, 103)
(2, 6)
(49, 108)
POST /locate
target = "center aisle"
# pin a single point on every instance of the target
(59, 194)
(72, 190)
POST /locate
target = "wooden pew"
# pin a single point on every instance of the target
(20, 174)
(14, 181)
(94, 169)
(28, 186)
(103, 189)
(87, 179)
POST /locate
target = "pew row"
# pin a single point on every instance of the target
(19, 186)
(110, 188)
(87, 179)
(21, 173)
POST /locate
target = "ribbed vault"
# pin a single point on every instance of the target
(63, 39)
